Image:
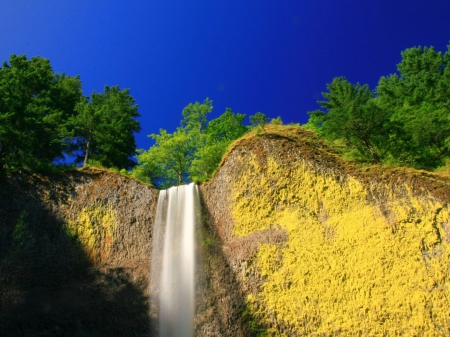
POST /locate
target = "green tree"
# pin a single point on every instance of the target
(218, 135)
(35, 104)
(419, 106)
(105, 127)
(168, 161)
(227, 127)
(353, 115)
(259, 119)
(276, 121)
(195, 115)
(193, 151)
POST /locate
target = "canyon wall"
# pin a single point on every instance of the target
(74, 255)
(312, 246)
(295, 242)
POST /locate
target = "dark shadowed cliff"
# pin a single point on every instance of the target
(74, 255)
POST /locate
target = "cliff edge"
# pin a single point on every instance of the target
(295, 242)
(315, 246)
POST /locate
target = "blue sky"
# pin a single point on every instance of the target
(272, 56)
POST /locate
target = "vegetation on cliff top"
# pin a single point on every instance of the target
(403, 122)
(45, 119)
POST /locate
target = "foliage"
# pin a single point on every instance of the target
(193, 151)
(105, 126)
(259, 120)
(406, 120)
(354, 116)
(167, 163)
(419, 104)
(44, 119)
(218, 135)
(35, 104)
(194, 115)
(276, 121)
(169, 159)
(226, 127)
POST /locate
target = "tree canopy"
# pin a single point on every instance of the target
(404, 121)
(194, 150)
(44, 118)
(104, 127)
(419, 105)
(354, 116)
(35, 104)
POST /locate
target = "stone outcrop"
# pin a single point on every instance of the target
(295, 242)
(306, 244)
(74, 255)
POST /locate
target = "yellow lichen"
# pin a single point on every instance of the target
(94, 229)
(347, 268)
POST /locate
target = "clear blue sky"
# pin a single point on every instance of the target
(272, 56)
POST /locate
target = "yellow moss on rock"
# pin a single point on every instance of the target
(347, 268)
(94, 229)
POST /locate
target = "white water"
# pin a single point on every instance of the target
(173, 260)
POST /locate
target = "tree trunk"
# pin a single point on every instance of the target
(375, 156)
(87, 153)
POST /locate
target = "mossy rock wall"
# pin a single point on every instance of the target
(314, 247)
(295, 243)
(75, 255)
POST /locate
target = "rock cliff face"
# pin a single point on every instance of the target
(74, 255)
(308, 245)
(295, 242)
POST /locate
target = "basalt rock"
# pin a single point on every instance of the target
(295, 242)
(74, 255)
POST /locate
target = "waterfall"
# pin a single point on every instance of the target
(173, 260)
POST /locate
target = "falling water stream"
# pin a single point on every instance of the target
(173, 260)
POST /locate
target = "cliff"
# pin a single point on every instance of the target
(74, 255)
(319, 247)
(295, 242)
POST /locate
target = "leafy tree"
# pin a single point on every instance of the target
(227, 127)
(35, 104)
(276, 121)
(105, 126)
(419, 106)
(168, 161)
(194, 115)
(259, 119)
(353, 115)
(193, 151)
(218, 135)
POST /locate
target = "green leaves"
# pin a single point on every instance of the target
(44, 117)
(104, 127)
(194, 151)
(259, 119)
(33, 114)
(194, 115)
(354, 116)
(405, 122)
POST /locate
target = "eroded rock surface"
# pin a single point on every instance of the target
(74, 255)
(295, 242)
